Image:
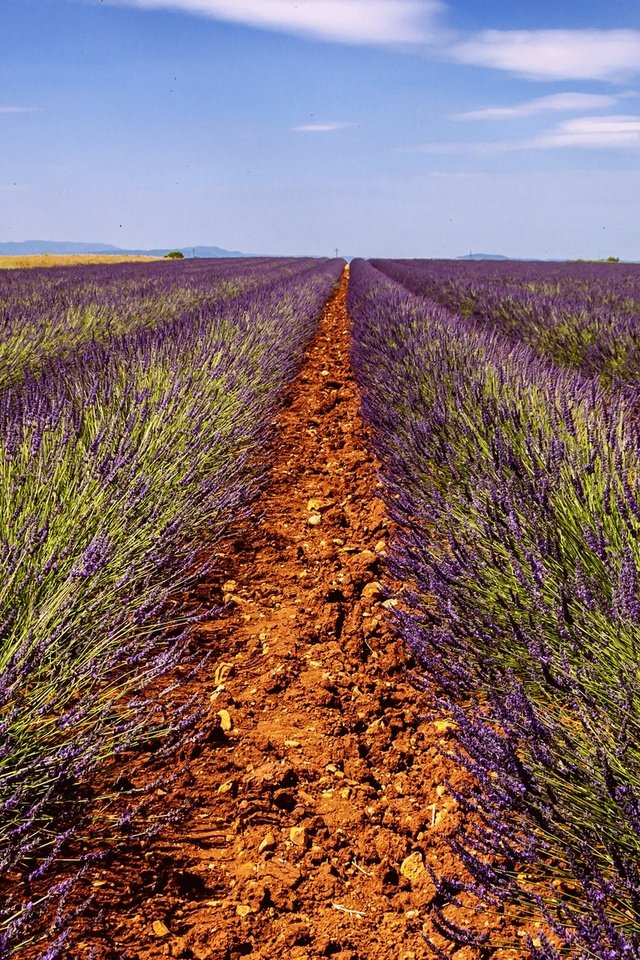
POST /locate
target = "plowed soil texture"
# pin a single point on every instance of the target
(320, 808)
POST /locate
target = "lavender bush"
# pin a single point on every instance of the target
(515, 489)
(48, 313)
(582, 316)
(120, 467)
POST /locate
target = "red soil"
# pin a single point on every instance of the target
(316, 810)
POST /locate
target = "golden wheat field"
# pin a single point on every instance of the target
(69, 260)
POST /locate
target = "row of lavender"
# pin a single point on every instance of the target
(51, 313)
(516, 492)
(120, 469)
(581, 316)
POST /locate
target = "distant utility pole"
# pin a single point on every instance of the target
(194, 252)
(336, 253)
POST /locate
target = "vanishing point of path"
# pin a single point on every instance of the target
(317, 810)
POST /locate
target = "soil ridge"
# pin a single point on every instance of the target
(320, 806)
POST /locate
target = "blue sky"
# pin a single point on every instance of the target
(378, 127)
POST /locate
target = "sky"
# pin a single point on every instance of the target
(380, 128)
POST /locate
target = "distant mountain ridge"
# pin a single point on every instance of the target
(483, 256)
(27, 248)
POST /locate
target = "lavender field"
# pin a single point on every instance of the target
(134, 404)
(503, 400)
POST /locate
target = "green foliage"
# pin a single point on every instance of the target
(174, 255)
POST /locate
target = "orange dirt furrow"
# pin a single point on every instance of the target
(314, 817)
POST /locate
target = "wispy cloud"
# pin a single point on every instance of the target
(327, 127)
(343, 21)
(613, 132)
(554, 54)
(18, 109)
(555, 102)
(616, 132)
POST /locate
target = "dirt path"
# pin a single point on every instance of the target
(318, 810)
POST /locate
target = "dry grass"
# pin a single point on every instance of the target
(70, 260)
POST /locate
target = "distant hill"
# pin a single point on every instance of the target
(63, 248)
(483, 256)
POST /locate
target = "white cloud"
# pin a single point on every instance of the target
(17, 109)
(613, 132)
(327, 127)
(555, 102)
(555, 54)
(342, 21)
